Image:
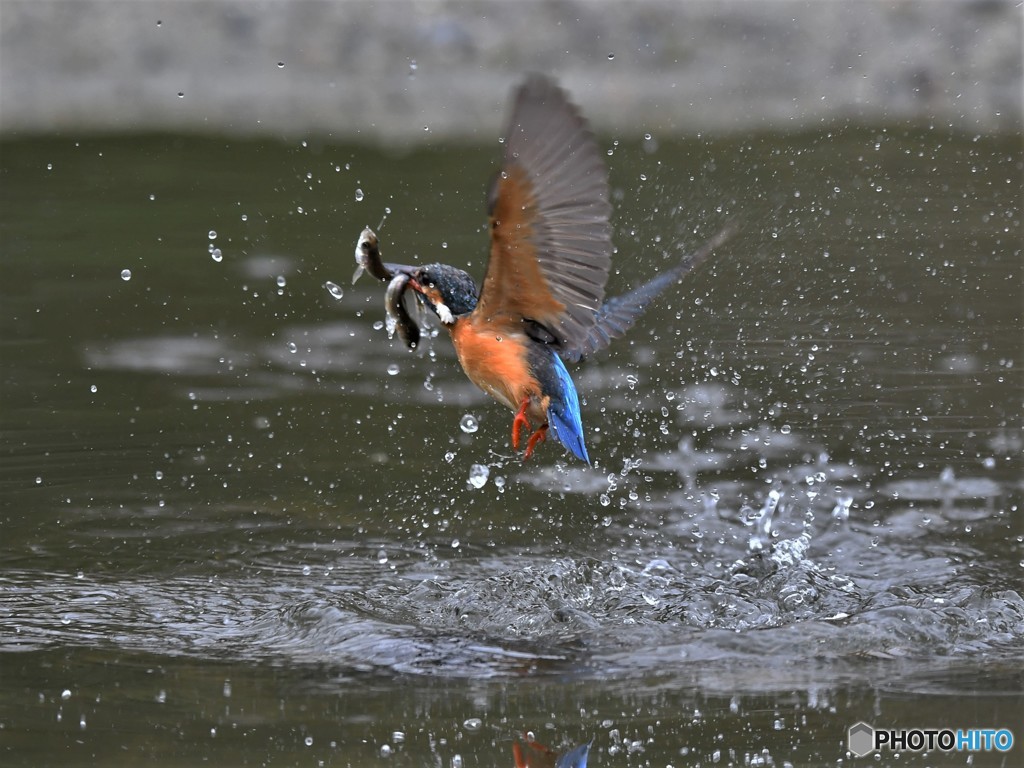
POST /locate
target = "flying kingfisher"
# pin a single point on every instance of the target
(542, 299)
(534, 755)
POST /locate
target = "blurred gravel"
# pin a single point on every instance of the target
(395, 71)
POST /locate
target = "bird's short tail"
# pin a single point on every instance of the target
(564, 413)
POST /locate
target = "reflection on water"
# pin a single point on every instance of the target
(237, 517)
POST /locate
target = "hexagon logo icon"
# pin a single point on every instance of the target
(861, 739)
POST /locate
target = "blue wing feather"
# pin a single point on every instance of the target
(617, 315)
(564, 412)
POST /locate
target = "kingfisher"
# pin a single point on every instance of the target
(538, 756)
(542, 298)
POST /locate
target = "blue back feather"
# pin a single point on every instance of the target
(564, 412)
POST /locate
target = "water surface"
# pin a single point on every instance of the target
(238, 521)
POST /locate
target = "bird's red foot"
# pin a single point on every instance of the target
(517, 755)
(519, 422)
(536, 439)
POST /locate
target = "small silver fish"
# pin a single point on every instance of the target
(394, 303)
(368, 258)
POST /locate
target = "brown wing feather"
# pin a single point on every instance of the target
(550, 237)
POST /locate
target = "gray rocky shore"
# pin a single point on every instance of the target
(403, 70)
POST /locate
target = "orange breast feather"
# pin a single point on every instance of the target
(495, 361)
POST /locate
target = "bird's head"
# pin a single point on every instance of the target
(448, 291)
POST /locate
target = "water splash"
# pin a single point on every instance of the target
(762, 522)
(478, 474)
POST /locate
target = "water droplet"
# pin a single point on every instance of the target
(308, 741)
(126, 275)
(216, 255)
(478, 474)
(335, 290)
(359, 195)
(152, 198)
(49, 166)
(227, 689)
(611, 57)
(181, 94)
(161, 697)
(385, 750)
(245, 217)
(382, 557)
(785, 429)
(212, 234)
(472, 724)
(94, 389)
(292, 347)
(280, 65)
(65, 694)
(469, 424)
(393, 369)
(281, 282)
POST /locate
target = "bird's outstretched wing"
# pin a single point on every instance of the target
(550, 236)
(619, 313)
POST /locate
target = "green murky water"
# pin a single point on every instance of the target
(237, 523)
